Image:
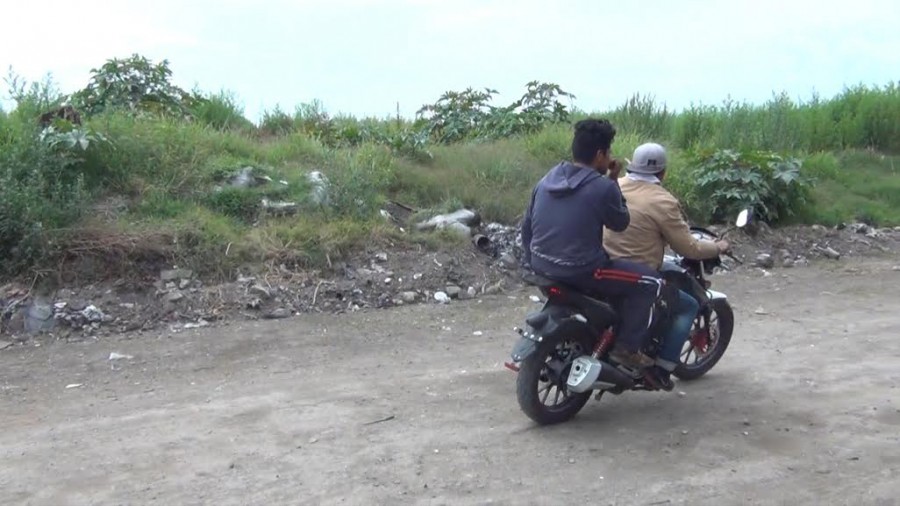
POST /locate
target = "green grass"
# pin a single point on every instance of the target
(173, 174)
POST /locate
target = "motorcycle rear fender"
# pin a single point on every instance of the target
(551, 321)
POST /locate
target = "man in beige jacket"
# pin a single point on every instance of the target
(657, 219)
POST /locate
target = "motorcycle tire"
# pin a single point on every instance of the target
(529, 377)
(725, 315)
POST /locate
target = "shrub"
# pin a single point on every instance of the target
(728, 181)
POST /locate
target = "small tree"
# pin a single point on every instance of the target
(136, 85)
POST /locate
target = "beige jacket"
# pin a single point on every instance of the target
(656, 220)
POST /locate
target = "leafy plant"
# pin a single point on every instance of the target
(137, 85)
(727, 181)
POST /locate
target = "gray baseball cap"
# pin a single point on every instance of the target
(649, 158)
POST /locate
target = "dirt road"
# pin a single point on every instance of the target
(803, 409)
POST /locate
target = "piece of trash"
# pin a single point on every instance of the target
(478, 333)
(685, 432)
(198, 325)
(280, 207)
(442, 297)
(682, 393)
(761, 311)
(119, 356)
(386, 419)
(92, 314)
(313, 440)
(74, 385)
(417, 276)
(535, 298)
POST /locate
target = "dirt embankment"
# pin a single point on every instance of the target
(176, 300)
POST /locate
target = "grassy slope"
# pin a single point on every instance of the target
(167, 173)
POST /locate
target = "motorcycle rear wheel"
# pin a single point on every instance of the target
(723, 318)
(550, 365)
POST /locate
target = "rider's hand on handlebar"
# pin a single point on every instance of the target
(724, 246)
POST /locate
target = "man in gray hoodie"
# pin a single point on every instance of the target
(562, 235)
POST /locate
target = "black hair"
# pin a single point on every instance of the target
(591, 135)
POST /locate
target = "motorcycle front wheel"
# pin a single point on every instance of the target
(541, 382)
(708, 341)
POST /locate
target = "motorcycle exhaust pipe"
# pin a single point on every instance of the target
(589, 373)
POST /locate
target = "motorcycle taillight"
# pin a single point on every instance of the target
(554, 291)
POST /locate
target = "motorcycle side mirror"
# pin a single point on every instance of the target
(743, 218)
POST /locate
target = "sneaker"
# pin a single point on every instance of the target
(635, 360)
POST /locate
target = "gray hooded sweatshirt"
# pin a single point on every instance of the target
(562, 233)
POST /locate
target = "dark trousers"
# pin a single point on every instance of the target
(634, 286)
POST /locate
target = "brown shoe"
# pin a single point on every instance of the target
(635, 360)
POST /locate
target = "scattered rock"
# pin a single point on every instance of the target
(174, 296)
(261, 291)
(176, 274)
(787, 263)
(494, 289)
(278, 314)
(508, 260)
(5, 344)
(381, 257)
(467, 294)
(761, 311)
(441, 297)
(765, 261)
(93, 314)
(830, 253)
(860, 228)
(119, 356)
(39, 316)
(409, 297)
(254, 303)
(819, 228)
(895, 268)
(184, 283)
(453, 291)
(417, 276)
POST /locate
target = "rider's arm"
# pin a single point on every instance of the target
(615, 212)
(678, 234)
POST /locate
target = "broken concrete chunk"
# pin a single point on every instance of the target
(176, 274)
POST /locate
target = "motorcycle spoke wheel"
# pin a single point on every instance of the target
(700, 349)
(541, 384)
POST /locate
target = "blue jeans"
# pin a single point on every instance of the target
(679, 330)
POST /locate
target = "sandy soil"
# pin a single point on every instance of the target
(803, 409)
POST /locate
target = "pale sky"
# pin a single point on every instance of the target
(363, 56)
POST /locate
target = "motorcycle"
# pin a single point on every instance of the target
(562, 354)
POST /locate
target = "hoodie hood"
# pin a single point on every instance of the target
(566, 177)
